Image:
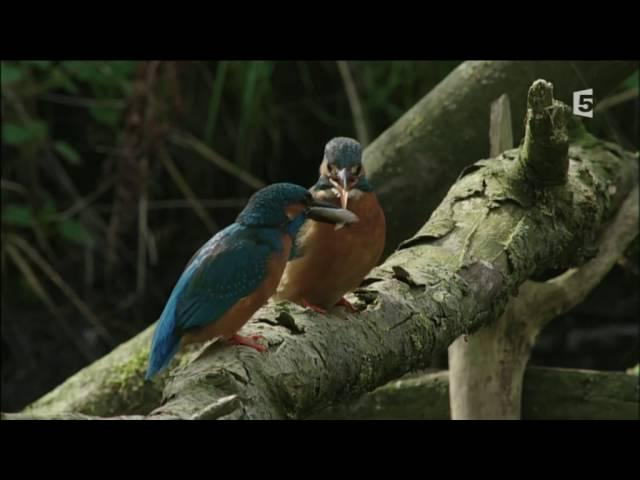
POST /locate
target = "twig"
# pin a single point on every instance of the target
(13, 187)
(214, 102)
(143, 228)
(59, 174)
(209, 203)
(192, 143)
(84, 202)
(180, 203)
(41, 292)
(83, 102)
(184, 187)
(354, 103)
(617, 99)
(65, 288)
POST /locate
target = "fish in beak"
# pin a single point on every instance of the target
(328, 213)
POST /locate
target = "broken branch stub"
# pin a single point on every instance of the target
(544, 157)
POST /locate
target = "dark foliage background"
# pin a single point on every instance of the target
(115, 172)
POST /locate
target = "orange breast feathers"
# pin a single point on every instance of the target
(235, 318)
(333, 262)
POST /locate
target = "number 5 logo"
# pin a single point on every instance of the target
(583, 103)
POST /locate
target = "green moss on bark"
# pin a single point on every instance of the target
(114, 385)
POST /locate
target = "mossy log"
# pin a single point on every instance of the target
(486, 369)
(413, 163)
(496, 228)
(113, 385)
(548, 394)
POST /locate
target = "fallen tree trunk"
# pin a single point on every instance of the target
(548, 394)
(415, 160)
(113, 385)
(486, 370)
(491, 386)
(497, 227)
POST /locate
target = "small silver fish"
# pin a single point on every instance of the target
(339, 216)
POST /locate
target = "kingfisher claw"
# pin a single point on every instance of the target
(250, 341)
(343, 302)
(313, 307)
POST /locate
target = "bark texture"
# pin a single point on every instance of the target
(549, 394)
(486, 370)
(413, 163)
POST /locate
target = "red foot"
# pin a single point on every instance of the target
(248, 342)
(313, 307)
(347, 304)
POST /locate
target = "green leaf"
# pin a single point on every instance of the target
(123, 76)
(106, 116)
(75, 232)
(632, 81)
(61, 79)
(13, 134)
(19, 215)
(84, 70)
(33, 131)
(10, 74)
(67, 152)
(40, 64)
(102, 75)
(48, 211)
(123, 69)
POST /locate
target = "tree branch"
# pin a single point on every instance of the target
(417, 158)
(487, 369)
(549, 394)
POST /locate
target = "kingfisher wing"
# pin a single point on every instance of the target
(225, 270)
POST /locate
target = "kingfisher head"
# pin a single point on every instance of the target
(286, 205)
(341, 170)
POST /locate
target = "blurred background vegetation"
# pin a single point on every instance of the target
(115, 172)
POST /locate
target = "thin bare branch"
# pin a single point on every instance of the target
(32, 279)
(209, 203)
(65, 288)
(190, 142)
(13, 187)
(355, 104)
(184, 187)
(617, 99)
(84, 202)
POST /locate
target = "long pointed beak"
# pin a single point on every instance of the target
(329, 213)
(343, 187)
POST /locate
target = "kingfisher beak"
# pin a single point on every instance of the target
(343, 187)
(328, 213)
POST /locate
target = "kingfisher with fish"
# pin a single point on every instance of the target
(333, 260)
(232, 275)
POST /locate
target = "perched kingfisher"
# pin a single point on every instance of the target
(236, 271)
(335, 260)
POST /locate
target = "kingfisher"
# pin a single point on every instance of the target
(237, 271)
(335, 260)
